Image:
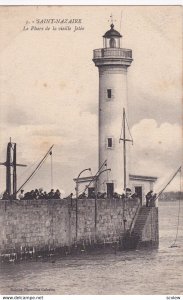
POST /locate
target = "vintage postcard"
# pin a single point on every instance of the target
(91, 150)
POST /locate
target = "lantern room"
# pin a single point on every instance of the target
(111, 38)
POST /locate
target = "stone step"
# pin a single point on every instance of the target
(139, 224)
(138, 230)
(141, 220)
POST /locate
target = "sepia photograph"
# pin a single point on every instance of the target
(91, 198)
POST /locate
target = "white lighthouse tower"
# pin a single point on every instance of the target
(112, 62)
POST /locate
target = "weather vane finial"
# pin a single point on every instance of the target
(111, 20)
(111, 17)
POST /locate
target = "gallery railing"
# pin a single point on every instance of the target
(112, 52)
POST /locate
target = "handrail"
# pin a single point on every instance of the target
(134, 218)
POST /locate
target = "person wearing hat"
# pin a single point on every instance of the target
(128, 193)
(51, 194)
(21, 195)
(148, 198)
(57, 195)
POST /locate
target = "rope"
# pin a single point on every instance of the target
(123, 129)
(36, 169)
(128, 128)
(95, 177)
(162, 185)
(179, 170)
(27, 169)
(178, 217)
(51, 157)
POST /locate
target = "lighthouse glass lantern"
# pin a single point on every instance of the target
(111, 39)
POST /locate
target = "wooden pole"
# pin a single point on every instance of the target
(124, 148)
(14, 171)
(8, 169)
(77, 194)
(124, 139)
(124, 162)
(10, 164)
(179, 169)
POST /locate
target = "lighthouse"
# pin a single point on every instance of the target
(112, 62)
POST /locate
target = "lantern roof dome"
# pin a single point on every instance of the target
(112, 33)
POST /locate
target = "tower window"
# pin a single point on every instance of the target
(109, 93)
(109, 143)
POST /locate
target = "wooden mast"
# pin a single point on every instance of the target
(8, 169)
(124, 148)
(10, 164)
(14, 171)
(124, 139)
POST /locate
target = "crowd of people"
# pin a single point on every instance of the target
(150, 199)
(104, 195)
(39, 194)
(150, 196)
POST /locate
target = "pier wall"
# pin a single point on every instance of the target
(44, 225)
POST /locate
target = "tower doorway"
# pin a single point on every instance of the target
(138, 190)
(91, 192)
(110, 189)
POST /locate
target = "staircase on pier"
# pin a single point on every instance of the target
(145, 231)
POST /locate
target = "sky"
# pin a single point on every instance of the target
(49, 90)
